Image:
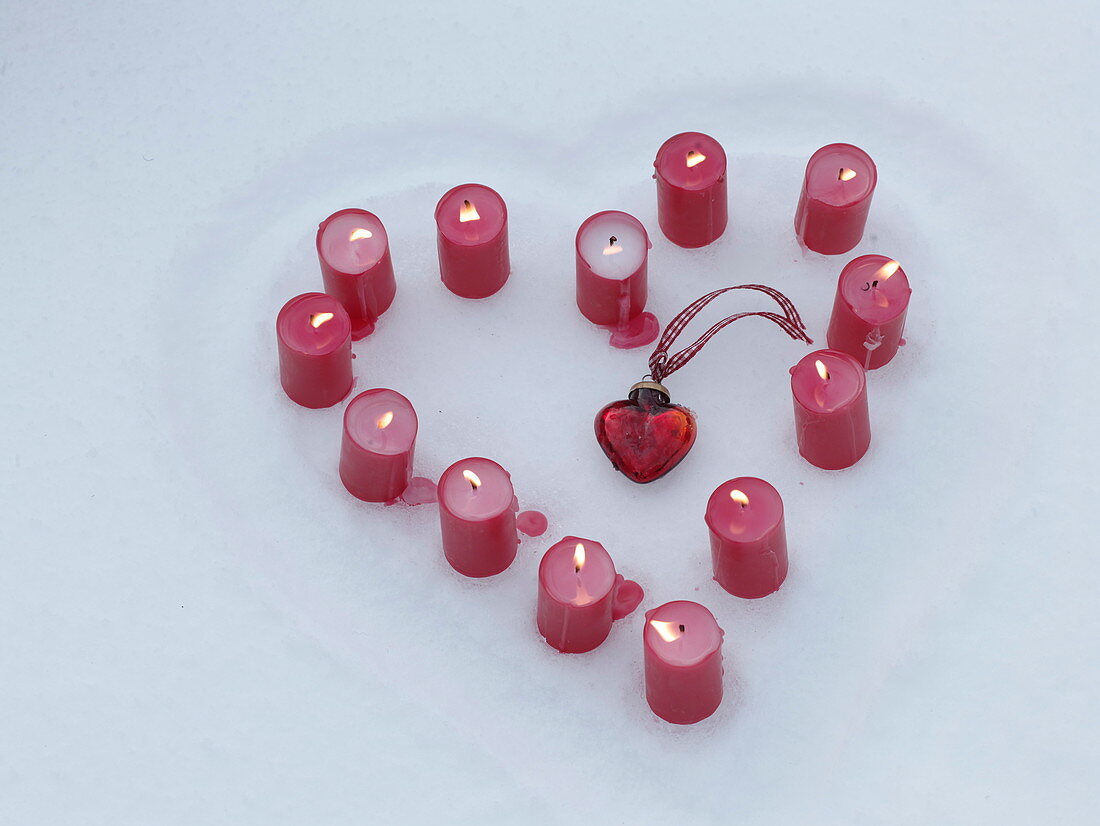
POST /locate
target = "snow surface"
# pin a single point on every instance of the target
(198, 625)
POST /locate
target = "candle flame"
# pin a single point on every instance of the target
(845, 174)
(468, 212)
(358, 234)
(578, 557)
(669, 631)
(888, 269)
(613, 247)
(739, 497)
(822, 370)
(385, 419)
(472, 478)
(317, 319)
(695, 158)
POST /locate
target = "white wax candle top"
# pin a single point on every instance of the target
(613, 245)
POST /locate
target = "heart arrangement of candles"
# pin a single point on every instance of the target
(580, 593)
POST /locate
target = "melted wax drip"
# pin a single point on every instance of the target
(362, 331)
(420, 491)
(639, 331)
(628, 596)
(532, 523)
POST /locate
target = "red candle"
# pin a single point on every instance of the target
(868, 318)
(472, 238)
(836, 197)
(830, 409)
(355, 263)
(748, 542)
(683, 662)
(376, 454)
(577, 583)
(691, 189)
(612, 261)
(314, 334)
(477, 517)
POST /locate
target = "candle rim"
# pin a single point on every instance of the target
(619, 213)
(400, 446)
(649, 632)
(716, 171)
(867, 189)
(464, 464)
(898, 308)
(723, 492)
(348, 211)
(568, 543)
(442, 229)
(861, 375)
(340, 319)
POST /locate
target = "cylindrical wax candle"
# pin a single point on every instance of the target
(683, 662)
(477, 517)
(836, 197)
(830, 409)
(355, 262)
(748, 542)
(576, 595)
(472, 238)
(612, 261)
(314, 334)
(868, 318)
(376, 454)
(691, 189)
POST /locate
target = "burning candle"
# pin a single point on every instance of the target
(836, 197)
(477, 517)
(472, 238)
(612, 260)
(577, 584)
(691, 189)
(355, 262)
(376, 454)
(830, 409)
(868, 318)
(683, 662)
(314, 335)
(748, 541)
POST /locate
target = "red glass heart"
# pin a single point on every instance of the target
(645, 436)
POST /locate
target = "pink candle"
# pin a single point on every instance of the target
(748, 541)
(376, 454)
(314, 335)
(683, 662)
(868, 318)
(472, 238)
(577, 583)
(477, 517)
(612, 262)
(836, 197)
(830, 409)
(355, 262)
(691, 189)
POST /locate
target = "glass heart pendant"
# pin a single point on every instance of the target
(645, 435)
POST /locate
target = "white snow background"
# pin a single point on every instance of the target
(199, 625)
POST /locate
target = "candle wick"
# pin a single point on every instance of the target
(612, 240)
(682, 629)
(874, 283)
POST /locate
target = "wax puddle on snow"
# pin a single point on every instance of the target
(532, 523)
(638, 332)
